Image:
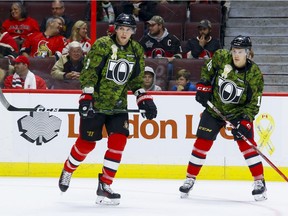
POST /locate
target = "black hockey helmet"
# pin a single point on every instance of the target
(243, 42)
(125, 20)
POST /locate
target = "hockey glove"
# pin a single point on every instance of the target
(86, 103)
(244, 127)
(204, 92)
(145, 102)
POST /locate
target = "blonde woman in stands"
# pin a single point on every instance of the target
(79, 33)
(19, 25)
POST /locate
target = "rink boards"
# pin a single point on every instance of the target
(37, 144)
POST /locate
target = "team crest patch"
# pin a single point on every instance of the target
(118, 71)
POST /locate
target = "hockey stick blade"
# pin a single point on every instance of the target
(39, 108)
(248, 141)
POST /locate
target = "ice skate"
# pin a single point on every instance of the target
(105, 194)
(64, 180)
(259, 191)
(186, 187)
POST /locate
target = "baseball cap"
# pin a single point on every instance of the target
(149, 69)
(22, 59)
(204, 24)
(156, 19)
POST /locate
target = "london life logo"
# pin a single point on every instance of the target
(39, 126)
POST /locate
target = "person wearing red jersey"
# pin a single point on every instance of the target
(46, 44)
(23, 78)
(8, 46)
(19, 25)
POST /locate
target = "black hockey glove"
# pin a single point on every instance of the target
(244, 127)
(145, 102)
(86, 103)
(204, 92)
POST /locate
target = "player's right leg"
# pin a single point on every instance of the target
(207, 131)
(78, 153)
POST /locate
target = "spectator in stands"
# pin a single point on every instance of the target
(2, 77)
(149, 80)
(8, 46)
(19, 25)
(159, 43)
(79, 33)
(23, 78)
(47, 44)
(183, 82)
(58, 10)
(106, 11)
(204, 45)
(69, 66)
(141, 10)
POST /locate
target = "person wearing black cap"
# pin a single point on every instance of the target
(204, 45)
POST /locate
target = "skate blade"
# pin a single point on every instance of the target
(260, 197)
(101, 200)
(184, 195)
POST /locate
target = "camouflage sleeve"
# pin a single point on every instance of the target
(211, 66)
(256, 83)
(92, 63)
(137, 82)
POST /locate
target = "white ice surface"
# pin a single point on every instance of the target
(140, 197)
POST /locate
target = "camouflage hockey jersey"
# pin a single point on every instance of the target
(235, 92)
(112, 70)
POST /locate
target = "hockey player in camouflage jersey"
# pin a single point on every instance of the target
(114, 65)
(234, 84)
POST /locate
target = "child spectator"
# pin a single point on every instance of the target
(183, 82)
(149, 80)
(23, 78)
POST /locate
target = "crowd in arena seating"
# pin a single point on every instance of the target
(29, 28)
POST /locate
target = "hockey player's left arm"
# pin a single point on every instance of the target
(256, 85)
(144, 100)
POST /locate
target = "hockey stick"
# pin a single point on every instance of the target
(39, 108)
(248, 141)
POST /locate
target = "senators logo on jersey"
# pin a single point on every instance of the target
(119, 70)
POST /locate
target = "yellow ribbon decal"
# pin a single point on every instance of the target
(265, 133)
